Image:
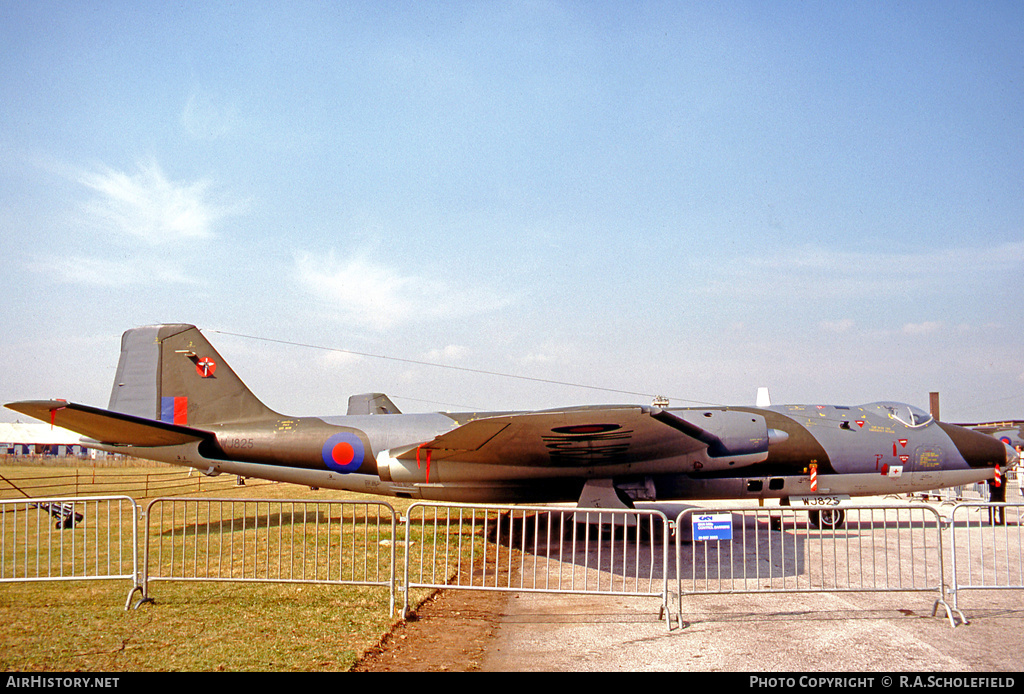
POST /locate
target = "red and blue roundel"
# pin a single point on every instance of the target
(343, 452)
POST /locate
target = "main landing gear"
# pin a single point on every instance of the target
(827, 519)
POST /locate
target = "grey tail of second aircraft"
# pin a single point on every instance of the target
(173, 374)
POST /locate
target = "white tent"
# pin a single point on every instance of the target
(25, 439)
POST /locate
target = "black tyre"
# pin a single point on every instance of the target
(828, 519)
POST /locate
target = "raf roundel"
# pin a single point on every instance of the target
(343, 452)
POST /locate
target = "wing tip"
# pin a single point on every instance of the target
(30, 406)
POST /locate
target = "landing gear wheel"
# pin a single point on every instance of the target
(828, 519)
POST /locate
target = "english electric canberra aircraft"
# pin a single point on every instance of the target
(175, 400)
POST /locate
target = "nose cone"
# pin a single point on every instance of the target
(1012, 457)
(978, 450)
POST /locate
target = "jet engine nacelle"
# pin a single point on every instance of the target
(393, 469)
(734, 438)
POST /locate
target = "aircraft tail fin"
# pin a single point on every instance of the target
(763, 398)
(171, 373)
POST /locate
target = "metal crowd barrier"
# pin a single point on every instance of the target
(537, 549)
(271, 541)
(778, 550)
(65, 539)
(534, 549)
(987, 548)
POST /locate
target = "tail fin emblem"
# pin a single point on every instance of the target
(206, 367)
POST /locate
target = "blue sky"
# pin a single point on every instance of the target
(686, 199)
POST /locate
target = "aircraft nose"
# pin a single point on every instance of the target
(1012, 457)
(978, 450)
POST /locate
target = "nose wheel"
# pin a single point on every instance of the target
(827, 519)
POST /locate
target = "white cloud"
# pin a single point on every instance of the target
(843, 325)
(148, 206)
(379, 297)
(102, 272)
(815, 271)
(338, 359)
(925, 328)
(551, 353)
(448, 354)
(205, 118)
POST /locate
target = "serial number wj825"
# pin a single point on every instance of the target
(819, 501)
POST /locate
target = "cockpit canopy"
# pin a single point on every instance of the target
(905, 414)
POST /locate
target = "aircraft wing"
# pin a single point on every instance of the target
(104, 426)
(574, 437)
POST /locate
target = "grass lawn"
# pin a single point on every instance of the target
(82, 625)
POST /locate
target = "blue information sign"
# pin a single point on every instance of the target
(712, 526)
